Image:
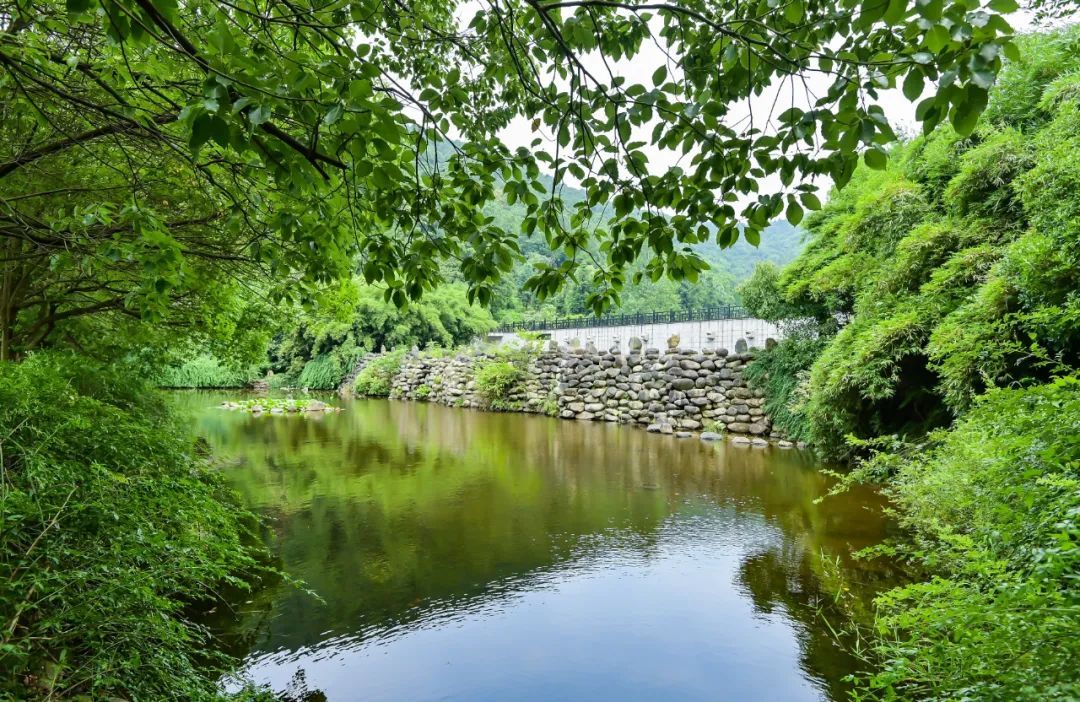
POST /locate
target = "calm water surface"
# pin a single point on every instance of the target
(463, 555)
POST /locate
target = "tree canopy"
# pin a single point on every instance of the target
(154, 151)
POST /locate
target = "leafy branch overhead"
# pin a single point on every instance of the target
(151, 145)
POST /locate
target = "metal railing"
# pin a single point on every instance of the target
(702, 314)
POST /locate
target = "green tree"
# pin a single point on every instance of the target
(323, 340)
(950, 273)
(153, 149)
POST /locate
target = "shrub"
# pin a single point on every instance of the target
(112, 524)
(716, 427)
(783, 372)
(206, 372)
(323, 372)
(983, 185)
(994, 505)
(423, 392)
(376, 379)
(550, 406)
(496, 381)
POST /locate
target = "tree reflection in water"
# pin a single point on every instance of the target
(409, 518)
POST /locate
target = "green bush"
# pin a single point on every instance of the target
(423, 392)
(550, 406)
(994, 505)
(983, 185)
(497, 380)
(323, 372)
(112, 524)
(376, 379)
(206, 372)
(783, 373)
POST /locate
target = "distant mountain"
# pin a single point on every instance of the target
(780, 244)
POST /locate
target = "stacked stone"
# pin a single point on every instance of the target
(705, 388)
(579, 393)
(456, 385)
(542, 379)
(414, 372)
(679, 392)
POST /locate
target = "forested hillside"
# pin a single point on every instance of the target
(937, 342)
(728, 268)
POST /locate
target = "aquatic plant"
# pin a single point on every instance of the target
(276, 405)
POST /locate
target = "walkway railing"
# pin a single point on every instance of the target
(702, 314)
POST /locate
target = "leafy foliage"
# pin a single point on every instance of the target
(783, 372)
(995, 508)
(153, 151)
(953, 271)
(205, 371)
(377, 376)
(322, 343)
(496, 381)
(322, 373)
(112, 523)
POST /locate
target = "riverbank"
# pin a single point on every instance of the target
(114, 524)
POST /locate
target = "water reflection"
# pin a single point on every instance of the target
(476, 556)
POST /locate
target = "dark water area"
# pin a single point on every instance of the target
(464, 555)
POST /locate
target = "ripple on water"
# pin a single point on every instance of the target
(465, 555)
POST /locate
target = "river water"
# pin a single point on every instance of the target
(450, 554)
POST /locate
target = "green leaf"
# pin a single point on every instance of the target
(965, 115)
(202, 130)
(811, 201)
(936, 40)
(871, 11)
(259, 115)
(659, 76)
(794, 212)
(793, 12)
(913, 84)
(333, 115)
(876, 159)
(896, 11)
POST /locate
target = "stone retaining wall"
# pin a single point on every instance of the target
(673, 392)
